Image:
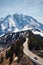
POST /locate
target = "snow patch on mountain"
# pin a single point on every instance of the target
(38, 33)
(3, 27)
(27, 27)
(11, 22)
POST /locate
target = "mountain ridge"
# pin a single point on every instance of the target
(20, 22)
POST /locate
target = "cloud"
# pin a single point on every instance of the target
(29, 7)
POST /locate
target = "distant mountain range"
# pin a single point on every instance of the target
(20, 22)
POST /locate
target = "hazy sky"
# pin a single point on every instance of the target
(32, 8)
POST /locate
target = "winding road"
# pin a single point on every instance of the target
(31, 55)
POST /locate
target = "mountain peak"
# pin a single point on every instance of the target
(19, 22)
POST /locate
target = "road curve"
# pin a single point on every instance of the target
(31, 55)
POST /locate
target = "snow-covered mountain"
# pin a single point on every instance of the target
(20, 22)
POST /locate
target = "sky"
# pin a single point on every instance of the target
(32, 8)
